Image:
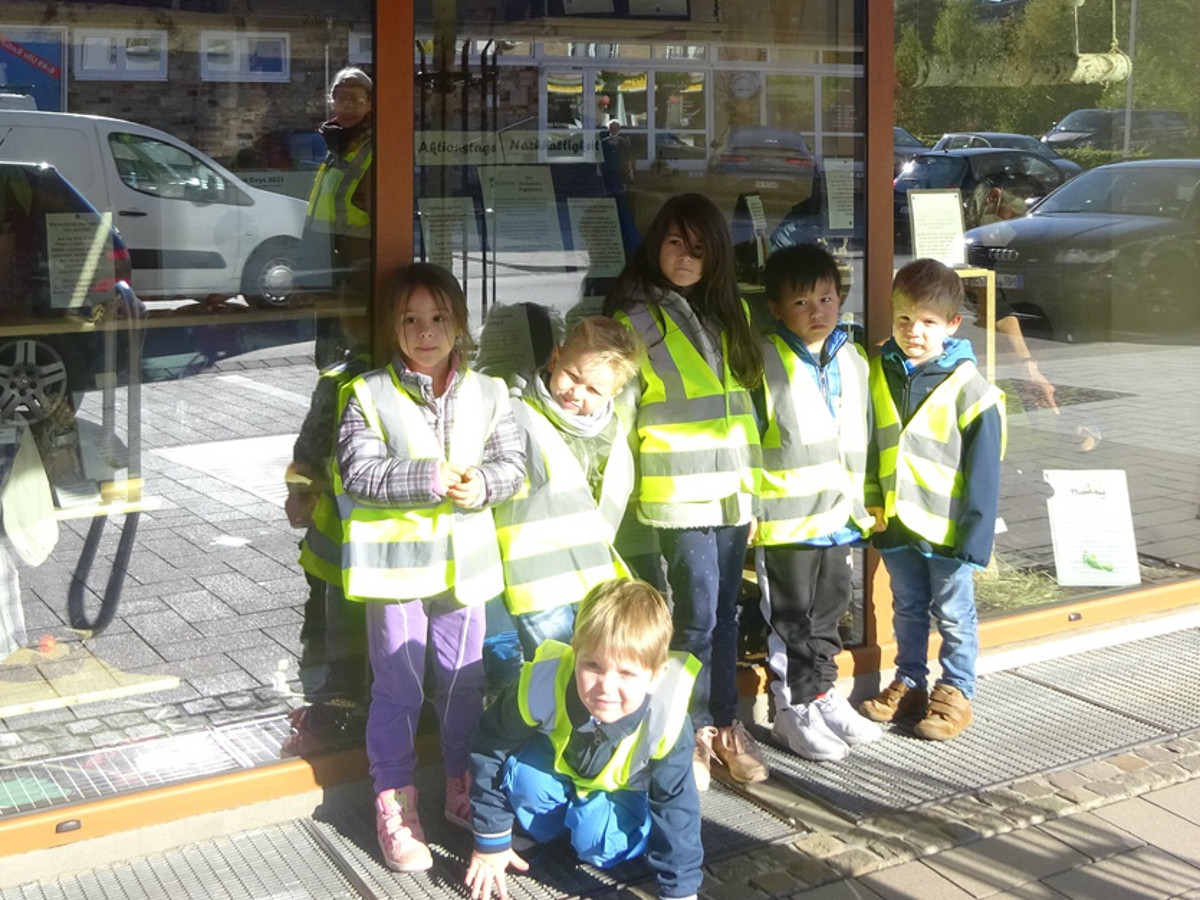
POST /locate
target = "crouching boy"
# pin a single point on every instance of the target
(594, 740)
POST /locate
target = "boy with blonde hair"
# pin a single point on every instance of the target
(938, 441)
(556, 535)
(594, 740)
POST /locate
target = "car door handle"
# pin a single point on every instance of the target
(132, 213)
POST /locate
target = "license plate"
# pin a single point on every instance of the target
(770, 185)
(1010, 282)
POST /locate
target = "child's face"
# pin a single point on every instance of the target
(580, 381)
(611, 689)
(920, 331)
(425, 333)
(676, 261)
(811, 315)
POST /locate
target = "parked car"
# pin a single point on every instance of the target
(960, 140)
(193, 228)
(969, 170)
(772, 162)
(1113, 253)
(905, 146)
(1161, 132)
(52, 286)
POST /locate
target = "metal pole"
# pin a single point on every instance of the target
(1133, 4)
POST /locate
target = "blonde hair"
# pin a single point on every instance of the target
(626, 620)
(931, 284)
(444, 288)
(608, 341)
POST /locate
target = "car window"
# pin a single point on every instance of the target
(933, 172)
(154, 167)
(1085, 120)
(1130, 192)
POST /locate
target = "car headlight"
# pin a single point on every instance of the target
(1078, 257)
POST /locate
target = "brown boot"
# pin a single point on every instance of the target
(896, 701)
(948, 715)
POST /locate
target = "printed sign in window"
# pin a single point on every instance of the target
(80, 249)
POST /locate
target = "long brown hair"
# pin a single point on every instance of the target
(445, 289)
(714, 297)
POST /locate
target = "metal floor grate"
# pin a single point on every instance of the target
(1154, 680)
(281, 861)
(1020, 728)
(110, 771)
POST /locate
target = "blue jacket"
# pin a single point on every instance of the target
(980, 465)
(674, 851)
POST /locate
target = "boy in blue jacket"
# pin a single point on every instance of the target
(938, 440)
(594, 740)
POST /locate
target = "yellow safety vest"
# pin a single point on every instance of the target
(697, 431)
(394, 553)
(331, 205)
(541, 696)
(555, 541)
(321, 548)
(920, 463)
(814, 466)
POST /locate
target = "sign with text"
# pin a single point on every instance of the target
(524, 210)
(839, 189)
(596, 229)
(447, 225)
(457, 148)
(80, 249)
(1091, 528)
(936, 221)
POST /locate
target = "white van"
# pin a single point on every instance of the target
(192, 227)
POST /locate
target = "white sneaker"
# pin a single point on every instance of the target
(843, 721)
(805, 733)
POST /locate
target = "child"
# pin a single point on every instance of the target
(939, 437)
(425, 446)
(812, 498)
(698, 450)
(556, 535)
(594, 740)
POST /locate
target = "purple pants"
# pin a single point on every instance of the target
(397, 637)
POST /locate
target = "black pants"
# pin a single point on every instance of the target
(806, 591)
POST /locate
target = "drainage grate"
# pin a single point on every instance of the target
(1153, 680)
(1020, 727)
(282, 861)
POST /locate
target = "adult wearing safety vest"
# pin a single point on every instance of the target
(814, 404)
(937, 446)
(594, 740)
(556, 535)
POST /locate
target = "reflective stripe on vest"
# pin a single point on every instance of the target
(393, 553)
(555, 544)
(697, 433)
(920, 463)
(331, 201)
(814, 466)
(542, 694)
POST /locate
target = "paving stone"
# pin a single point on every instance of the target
(1091, 836)
(1157, 826)
(106, 738)
(1129, 762)
(774, 884)
(856, 861)
(1157, 753)
(819, 844)
(1147, 873)
(66, 745)
(1097, 771)
(913, 880)
(1053, 805)
(1005, 861)
(24, 751)
(721, 891)
(1111, 790)
(1034, 787)
(1082, 797)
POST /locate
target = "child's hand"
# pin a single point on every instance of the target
(753, 532)
(468, 492)
(486, 872)
(880, 521)
(449, 475)
(299, 506)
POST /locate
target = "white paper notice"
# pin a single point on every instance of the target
(936, 218)
(506, 345)
(447, 225)
(758, 215)
(526, 212)
(596, 229)
(839, 189)
(1092, 528)
(81, 258)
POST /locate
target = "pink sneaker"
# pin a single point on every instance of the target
(458, 801)
(399, 831)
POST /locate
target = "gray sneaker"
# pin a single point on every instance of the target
(803, 731)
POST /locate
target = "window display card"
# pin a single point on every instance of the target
(596, 229)
(444, 227)
(839, 189)
(936, 220)
(1091, 527)
(81, 258)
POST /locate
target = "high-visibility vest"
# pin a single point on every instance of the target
(697, 431)
(396, 553)
(541, 696)
(331, 205)
(920, 463)
(555, 541)
(814, 466)
(321, 548)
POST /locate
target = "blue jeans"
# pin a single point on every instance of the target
(704, 569)
(535, 628)
(944, 588)
(606, 827)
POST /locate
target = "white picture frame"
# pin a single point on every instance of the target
(120, 54)
(246, 56)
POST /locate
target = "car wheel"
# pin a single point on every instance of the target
(269, 278)
(33, 379)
